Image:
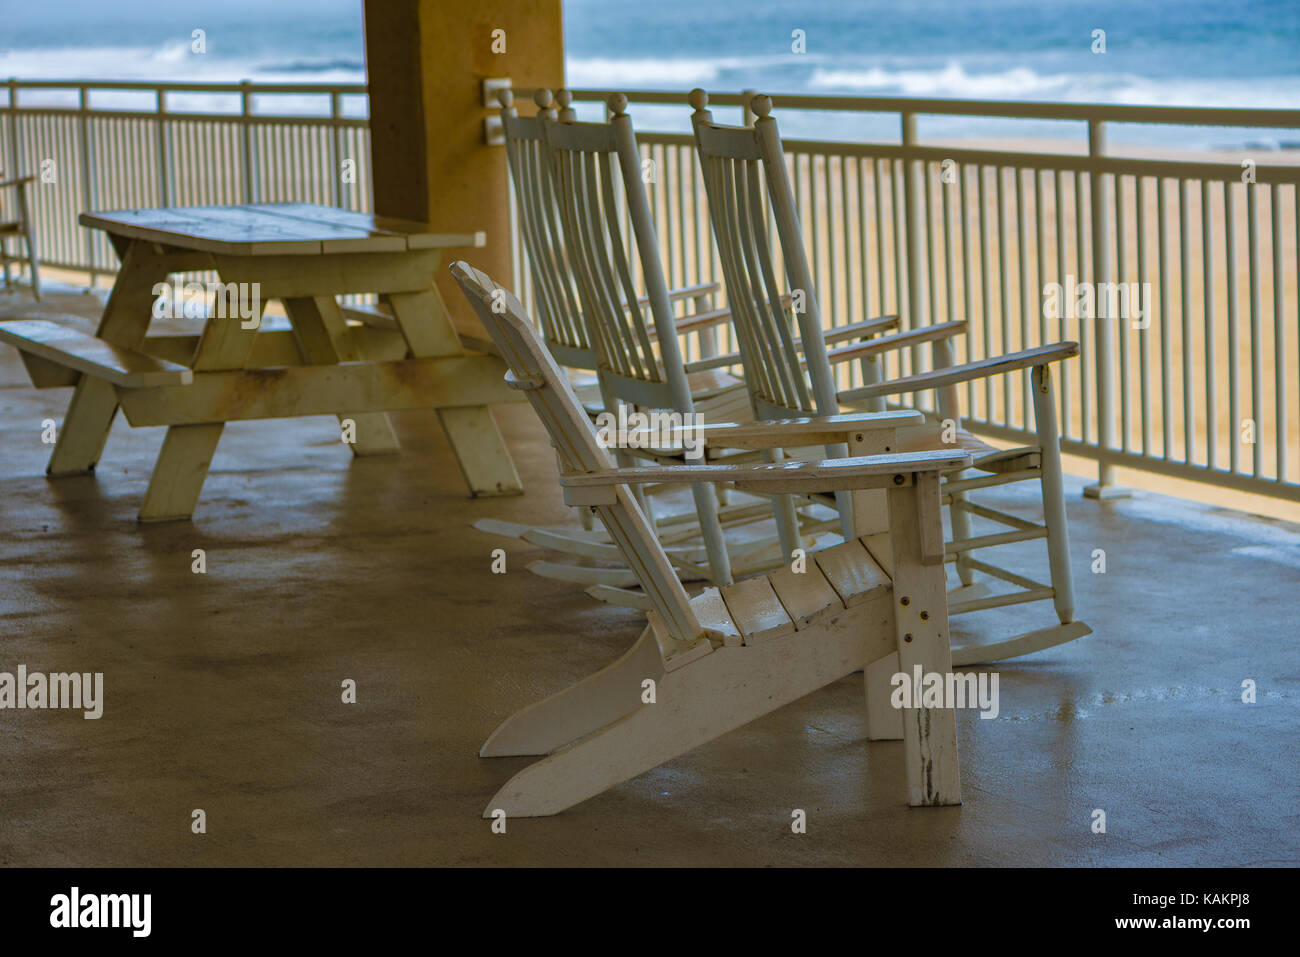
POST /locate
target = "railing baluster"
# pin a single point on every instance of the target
(1185, 310)
(882, 284)
(1082, 272)
(986, 312)
(1256, 339)
(1279, 333)
(1004, 291)
(1166, 327)
(1062, 248)
(968, 309)
(1211, 366)
(1026, 296)
(1121, 322)
(864, 256)
(1234, 394)
(897, 184)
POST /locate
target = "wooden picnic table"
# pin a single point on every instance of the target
(404, 355)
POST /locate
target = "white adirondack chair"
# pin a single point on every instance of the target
(745, 177)
(730, 655)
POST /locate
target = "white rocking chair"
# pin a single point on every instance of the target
(569, 173)
(745, 178)
(555, 265)
(731, 655)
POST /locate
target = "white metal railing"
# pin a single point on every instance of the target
(1205, 385)
(143, 146)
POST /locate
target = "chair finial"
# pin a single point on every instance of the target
(506, 97)
(543, 98)
(698, 99)
(761, 105)
(617, 104)
(563, 97)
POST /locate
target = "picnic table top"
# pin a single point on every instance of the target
(275, 229)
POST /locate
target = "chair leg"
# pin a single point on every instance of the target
(34, 263)
(1058, 545)
(591, 704)
(1058, 535)
(787, 520)
(884, 721)
(706, 506)
(29, 237)
(921, 625)
(960, 521)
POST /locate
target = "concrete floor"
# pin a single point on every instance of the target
(223, 691)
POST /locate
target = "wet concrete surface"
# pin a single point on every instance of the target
(222, 691)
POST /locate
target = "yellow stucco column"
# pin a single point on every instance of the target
(425, 64)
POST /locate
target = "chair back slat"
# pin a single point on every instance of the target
(558, 302)
(577, 444)
(738, 184)
(745, 179)
(758, 256)
(603, 203)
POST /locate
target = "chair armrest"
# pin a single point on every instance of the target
(854, 330)
(829, 475)
(860, 330)
(686, 292)
(950, 375)
(713, 362)
(702, 320)
(775, 434)
(711, 317)
(938, 330)
(698, 320)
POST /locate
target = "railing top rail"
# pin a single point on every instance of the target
(1083, 112)
(1265, 172)
(1114, 113)
(238, 86)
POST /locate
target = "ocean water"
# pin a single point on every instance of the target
(1161, 52)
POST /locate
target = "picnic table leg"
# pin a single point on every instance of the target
(125, 321)
(475, 439)
(81, 439)
(179, 472)
(187, 451)
(322, 333)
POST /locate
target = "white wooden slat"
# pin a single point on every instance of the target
(806, 595)
(86, 353)
(852, 572)
(756, 610)
(712, 612)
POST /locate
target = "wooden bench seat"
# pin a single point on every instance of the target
(63, 346)
(785, 601)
